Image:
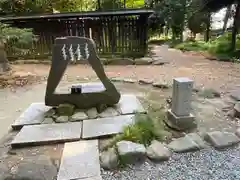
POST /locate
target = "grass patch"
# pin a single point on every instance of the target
(192, 46)
(147, 127)
(143, 131)
(218, 47)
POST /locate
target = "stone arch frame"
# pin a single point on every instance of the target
(63, 50)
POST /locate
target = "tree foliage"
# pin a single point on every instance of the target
(172, 13)
(196, 19)
(215, 5)
(134, 3)
(23, 7)
(74, 5)
(15, 38)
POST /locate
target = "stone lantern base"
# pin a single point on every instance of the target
(180, 123)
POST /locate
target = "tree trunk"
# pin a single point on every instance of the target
(166, 30)
(226, 18)
(208, 23)
(194, 36)
(184, 3)
(99, 5)
(4, 64)
(235, 28)
(181, 37)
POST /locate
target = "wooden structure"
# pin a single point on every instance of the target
(122, 32)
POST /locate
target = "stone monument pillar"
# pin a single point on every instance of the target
(179, 116)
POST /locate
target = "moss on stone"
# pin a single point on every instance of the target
(65, 109)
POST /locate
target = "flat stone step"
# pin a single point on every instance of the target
(34, 114)
(80, 160)
(48, 133)
(105, 126)
(129, 104)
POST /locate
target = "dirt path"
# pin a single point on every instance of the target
(219, 75)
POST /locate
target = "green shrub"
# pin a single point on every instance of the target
(192, 46)
(16, 39)
(220, 46)
(145, 129)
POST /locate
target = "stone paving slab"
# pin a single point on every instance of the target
(34, 114)
(80, 160)
(92, 178)
(220, 139)
(48, 133)
(235, 95)
(105, 126)
(238, 132)
(30, 168)
(129, 104)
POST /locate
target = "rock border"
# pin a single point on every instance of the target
(155, 84)
(127, 152)
(155, 61)
(162, 84)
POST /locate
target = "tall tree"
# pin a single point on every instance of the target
(174, 13)
(215, 5)
(208, 26)
(235, 27)
(226, 17)
(26, 7)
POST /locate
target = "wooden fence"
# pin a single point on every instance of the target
(121, 33)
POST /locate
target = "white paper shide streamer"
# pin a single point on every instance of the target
(71, 53)
(86, 51)
(64, 54)
(78, 53)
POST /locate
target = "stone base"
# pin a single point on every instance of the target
(180, 123)
(38, 113)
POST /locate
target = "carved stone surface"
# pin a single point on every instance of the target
(77, 48)
(48, 133)
(105, 126)
(80, 160)
(34, 114)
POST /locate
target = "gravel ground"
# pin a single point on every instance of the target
(208, 164)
